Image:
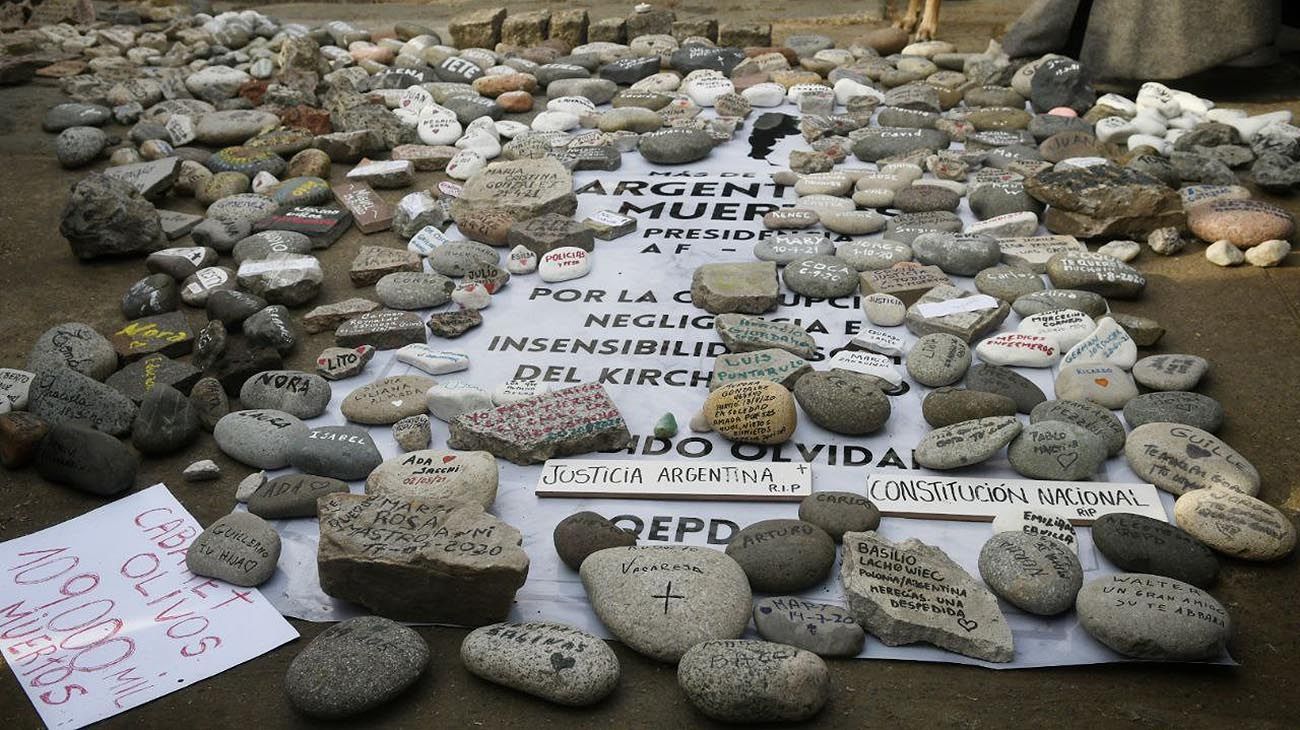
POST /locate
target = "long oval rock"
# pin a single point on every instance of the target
(558, 663)
(1140, 544)
(783, 556)
(355, 665)
(1235, 524)
(259, 437)
(966, 443)
(747, 681)
(1179, 459)
(1152, 617)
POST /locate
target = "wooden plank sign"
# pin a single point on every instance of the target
(721, 480)
(981, 499)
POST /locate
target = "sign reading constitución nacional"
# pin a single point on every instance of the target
(982, 499)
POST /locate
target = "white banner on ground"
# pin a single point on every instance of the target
(99, 614)
(630, 326)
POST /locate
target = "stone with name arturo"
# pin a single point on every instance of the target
(1140, 544)
(258, 437)
(1235, 524)
(1151, 617)
(342, 452)
(575, 420)
(1034, 573)
(661, 600)
(1179, 459)
(354, 666)
(556, 662)
(239, 548)
(747, 681)
(946, 607)
(366, 556)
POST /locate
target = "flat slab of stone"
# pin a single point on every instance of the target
(436, 562)
(383, 329)
(772, 364)
(968, 325)
(62, 395)
(909, 592)
(741, 333)
(434, 475)
(748, 288)
(908, 283)
(575, 420)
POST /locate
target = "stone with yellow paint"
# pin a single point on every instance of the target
(752, 412)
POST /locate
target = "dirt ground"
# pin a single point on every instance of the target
(1244, 320)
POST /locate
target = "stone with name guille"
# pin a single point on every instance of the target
(1179, 458)
(910, 592)
(661, 600)
(406, 558)
(575, 420)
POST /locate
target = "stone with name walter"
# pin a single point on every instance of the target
(374, 262)
(412, 560)
(908, 283)
(169, 334)
(370, 212)
(575, 420)
(772, 364)
(323, 226)
(661, 600)
(741, 333)
(910, 592)
(521, 189)
(434, 475)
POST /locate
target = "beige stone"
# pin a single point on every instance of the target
(752, 411)
(1235, 524)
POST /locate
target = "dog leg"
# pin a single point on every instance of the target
(929, 26)
(907, 21)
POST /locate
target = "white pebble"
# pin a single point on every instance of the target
(1224, 253)
(1268, 253)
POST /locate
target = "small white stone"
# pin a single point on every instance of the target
(766, 94)
(201, 471)
(472, 295)
(884, 310)
(1159, 98)
(1123, 105)
(705, 91)
(1160, 144)
(248, 485)
(264, 181)
(1068, 327)
(563, 264)
(1268, 253)
(438, 130)
(510, 129)
(575, 105)
(1224, 253)
(414, 98)
(1008, 225)
(1248, 127)
(1109, 343)
(661, 83)
(450, 398)
(522, 260)
(1018, 349)
(848, 89)
(465, 164)
(1123, 250)
(432, 360)
(555, 121)
(700, 423)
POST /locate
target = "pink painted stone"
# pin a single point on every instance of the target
(1064, 111)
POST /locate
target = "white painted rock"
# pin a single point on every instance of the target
(1068, 327)
(1019, 349)
(1108, 343)
(513, 391)
(522, 260)
(432, 360)
(472, 296)
(450, 398)
(563, 264)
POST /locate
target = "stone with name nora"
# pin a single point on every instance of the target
(661, 600)
(1152, 617)
(910, 592)
(240, 548)
(411, 560)
(553, 661)
(297, 393)
(579, 419)
(433, 475)
(747, 681)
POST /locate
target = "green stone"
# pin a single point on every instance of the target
(666, 426)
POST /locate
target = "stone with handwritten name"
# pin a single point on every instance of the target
(1102, 383)
(553, 661)
(387, 400)
(330, 316)
(821, 628)
(966, 443)
(297, 393)
(513, 391)
(820, 277)
(1097, 273)
(574, 420)
(258, 437)
(909, 592)
(434, 475)
(337, 363)
(1179, 458)
(1038, 522)
(948, 405)
(1034, 573)
(842, 402)
(1175, 406)
(661, 600)
(907, 283)
(1056, 450)
(62, 395)
(1235, 524)
(748, 681)
(341, 452)
(1148, 616)
(742, 333)
(154, 294)
(772, 364)
(521, 189)
(1066, 327)
(239, 548)
(1108, 343)
(137, 379)
(87, 459)
(407, 290)
(752, 411)
(783, 555)
(74, 345)
(1140, 544)
(938, 359)
(1170, 372)
(448, 399)
(168, 333)
(355, 665)
(383, 329)
(374, 262)
(403, 558)
(1244, 223)
(292, 495)
(20, 435)
(1096, 419)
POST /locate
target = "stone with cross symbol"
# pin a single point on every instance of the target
(663, 599)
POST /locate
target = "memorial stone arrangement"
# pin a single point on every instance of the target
(248, 116)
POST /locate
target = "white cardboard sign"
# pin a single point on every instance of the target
(983, 498)
(99, 614)
(675, 480)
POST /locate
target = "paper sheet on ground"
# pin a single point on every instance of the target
(630, 325)
(99, 614)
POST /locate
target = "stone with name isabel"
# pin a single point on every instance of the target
(433, 475)
(74, 345)
(383, 329)
(239, 548)
(292, 495)
(366, 556)
(342, 452)
(1152, 617)
(1034, 573)
(944, 605)
(374, 262)
(1235, 524)
(741, 333)
(1140, 544)
(966, 324)
(330, 316)
(323, 226)
(87, 459)
(387, 401)
(62, 395)
(355, 665)
(967, 442)
(748, 288)
(663, 599)
(336, 363)
(747, 681)
(782, 555)
(558, 663)
(258, 437)
(575, 420)
(1180, 459)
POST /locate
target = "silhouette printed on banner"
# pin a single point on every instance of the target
(770, 128)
